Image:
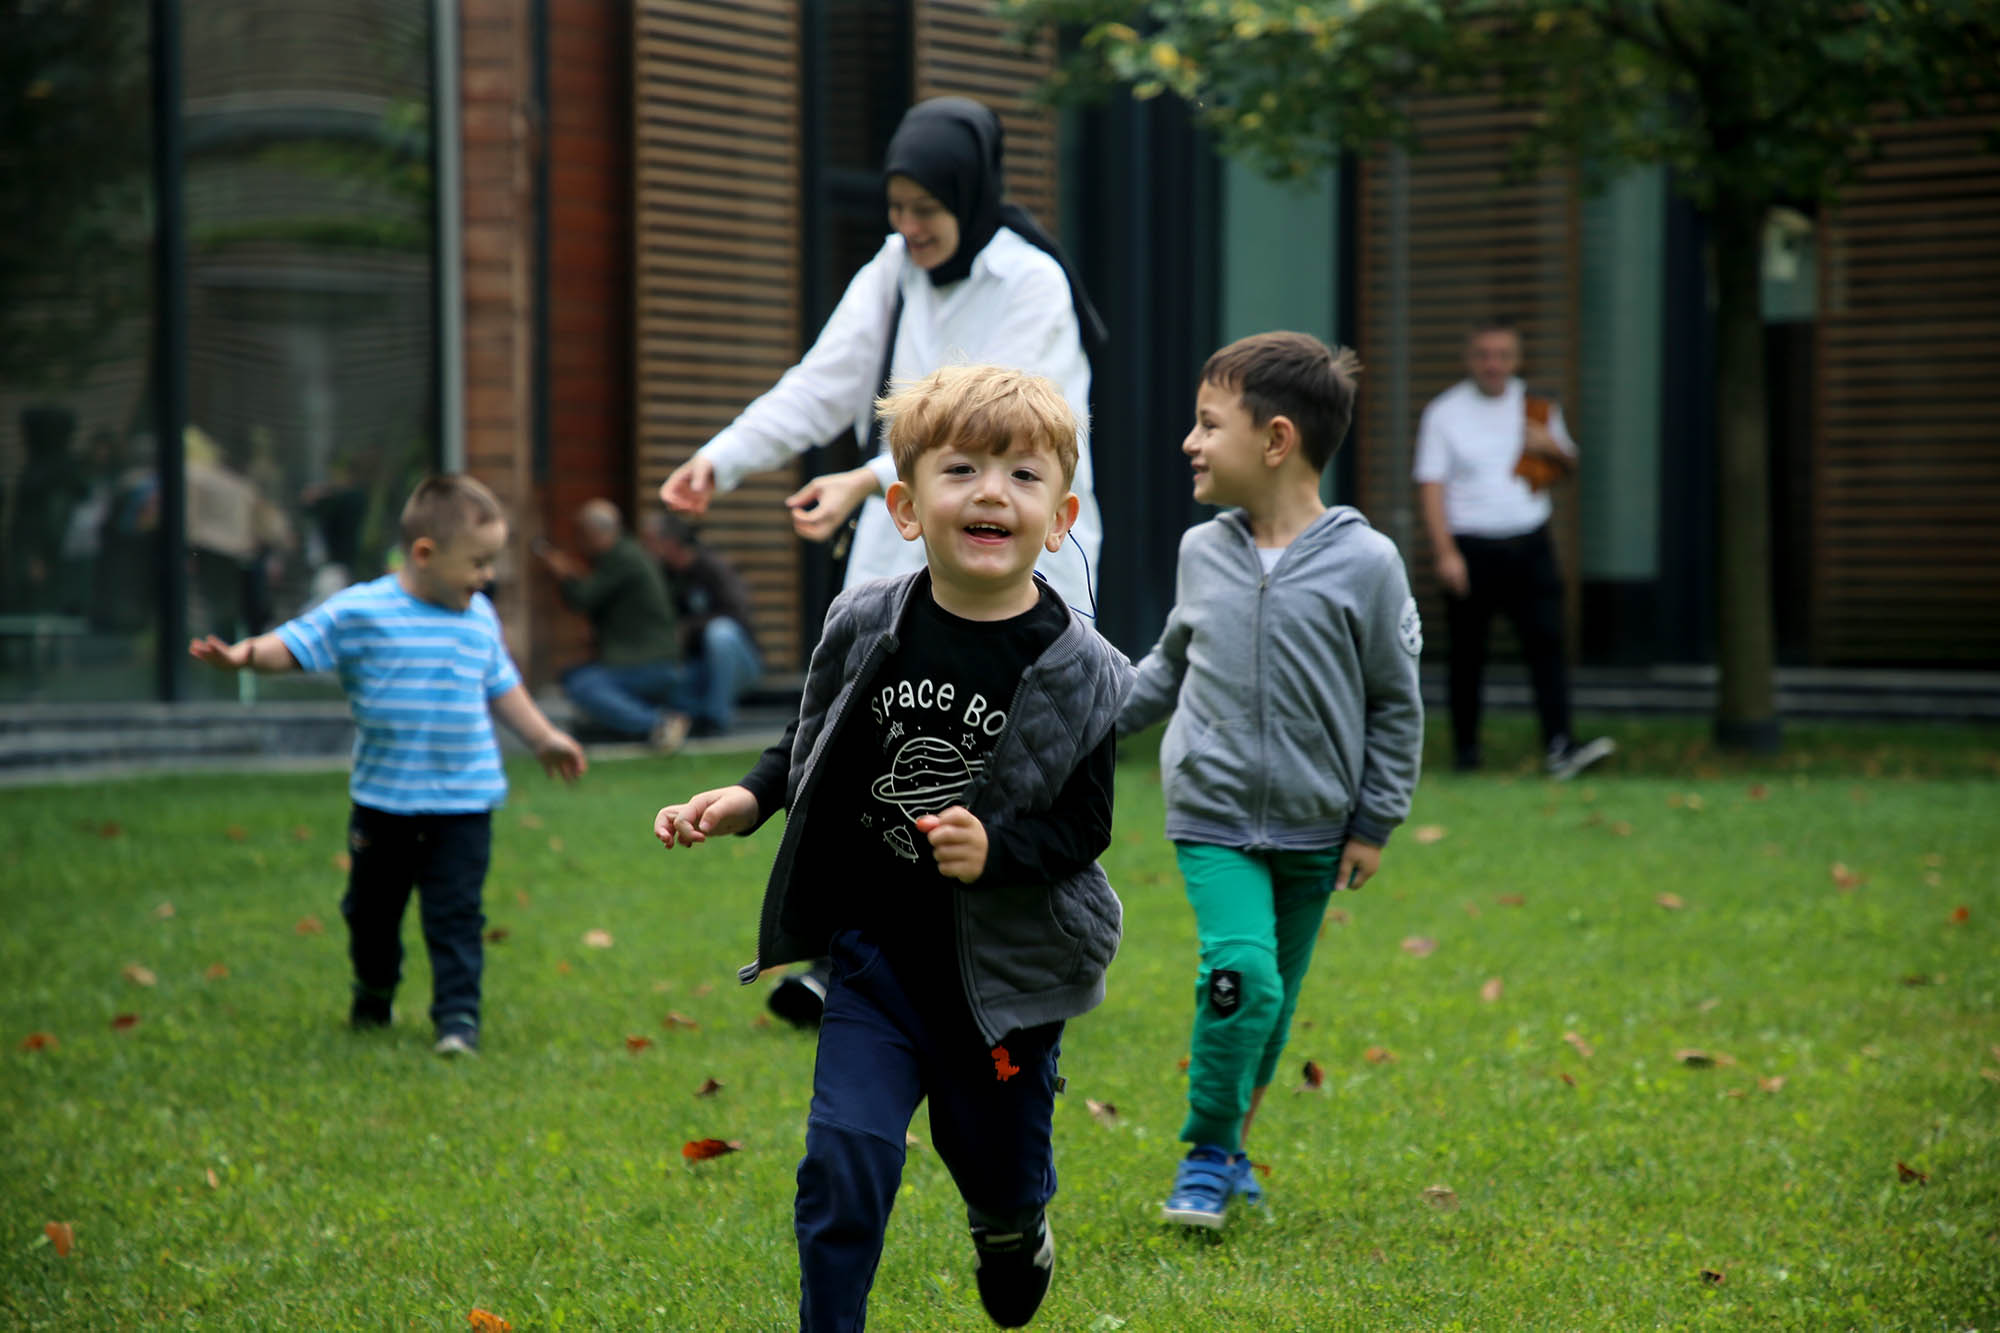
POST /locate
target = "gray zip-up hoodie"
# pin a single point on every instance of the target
(1028, 953)
(1297, 717)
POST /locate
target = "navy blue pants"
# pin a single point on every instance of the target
(880, 1053)
(442, 857)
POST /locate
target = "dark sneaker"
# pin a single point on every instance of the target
(1202, 1187)
(800, 998)
(457, 1039)
(1014, 1271)
(1566, 760)
(1243, 1182)
(369, 1011)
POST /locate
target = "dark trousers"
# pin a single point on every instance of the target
(881, 1051)
(442, 857)
(1516, 576)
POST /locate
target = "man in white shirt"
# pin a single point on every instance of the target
(1486, 453)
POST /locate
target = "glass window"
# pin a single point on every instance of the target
(77, 558)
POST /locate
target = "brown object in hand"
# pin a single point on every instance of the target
(1539, 470)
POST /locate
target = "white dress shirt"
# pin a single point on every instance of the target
(1013, 309)
(1470, 442)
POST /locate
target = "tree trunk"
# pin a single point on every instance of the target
(1746, 715)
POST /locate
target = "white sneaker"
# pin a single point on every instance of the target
(1566, 762)
(457, 1043)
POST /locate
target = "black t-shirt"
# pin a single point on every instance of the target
(914, 739)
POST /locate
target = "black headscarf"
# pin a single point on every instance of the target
(951, 147)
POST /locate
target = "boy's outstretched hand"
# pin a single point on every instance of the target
(958, 840)
(216, 653)
(1358, 863)
(561, 756)
(712, 814)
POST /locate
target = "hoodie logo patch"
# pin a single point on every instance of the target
(1410, 628)
(1225, 992)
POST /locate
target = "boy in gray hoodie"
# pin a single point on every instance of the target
(1289, 662)
(947, 789)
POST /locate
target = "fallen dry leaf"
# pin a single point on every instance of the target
(912, 1142)
(1420, 946)
(1675, 800)
(529, 819)
(1735, 1094)
(1472, 909)
(110, 829)
(1104, 1113)
(1379, 1055)
(1315, 1077)
(676, 1019)
(709, 1087)
(39, 1041)
(342, 862)
(1990, 1075)
(497, 935)
(1707, 1005)
(485, 1321)
(1673, 902)
(1772, 1084)
(300, 833)
(164, 912)
(700, 1150)
(1622, 829)
(562, 966)
(1587, 795)
(662, 987)
(1441, 1197)
(1758, 791)
(1567, 1079)
(705, 988)
(61, 1235)
(1844, 879)
(636, 1043)
(139, 976)
(556, 845)
(1512, 900)
(1339, 916)
(1428, 833)
(236, 833)
(1582, 1047)
(761, 1021)
(125, 1022)
(1184, 1064)
(1595, 819)
(1713, 1277)
(1960, 915)
(1694, 1059)
(1934, 860)
(1923, 979)
(521, 897)
(309, 925)
(216, 972)
(1910, 1175)
(1932, 879)
(1491, 990)
(597, 939)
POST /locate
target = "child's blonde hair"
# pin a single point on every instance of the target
(976, 408)
(442, 507)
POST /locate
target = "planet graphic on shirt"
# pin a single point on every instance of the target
(926, 775)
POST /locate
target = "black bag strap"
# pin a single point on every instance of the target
(846, 537)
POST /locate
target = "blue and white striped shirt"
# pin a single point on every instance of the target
(418, 678)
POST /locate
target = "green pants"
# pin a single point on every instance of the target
(1258, 916)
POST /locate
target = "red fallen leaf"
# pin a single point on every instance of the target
(236, 833)
(1712, 1277)
(1104, 1113)
(1491, 990)
(1262, 1168)
(529, 819)
(139, 976)
(1771, 1084)
(761, 1021)
(709, 1087)
(214, 1182)
(216, 972)
(1758, 791)
(1379, 1055)
(1428, 833)
(1582, 1046)
(636, 1043)
(61, 1235)
(341, 861)
(485, 1321)
(124, 1022)
(163, 912)
(110, 829)
(300, 833)
(1960, 915)
(1673, 902)
(700, 1150)
(1693, 1058)
(562, 966)
(310, 925)
(1315, 1076)
(676, 1019)
(1567, 1079)
(1910, 1174)
(1844, 879)
(1512, 900)
(1184, 1064)
(39, 1041)
(1420, 946)
(498, 935)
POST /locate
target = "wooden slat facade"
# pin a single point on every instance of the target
(1478, 244)
(1906, 440)
(963, 49)
(715, 105)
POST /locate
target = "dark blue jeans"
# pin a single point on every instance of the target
(880, 1053)
(442, 857)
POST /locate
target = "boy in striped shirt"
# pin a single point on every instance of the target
(424, 668)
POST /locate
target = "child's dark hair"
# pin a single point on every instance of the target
(444, 506)
(1296, 376)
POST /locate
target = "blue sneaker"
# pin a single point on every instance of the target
(1243, 1182)
(1202, 1187)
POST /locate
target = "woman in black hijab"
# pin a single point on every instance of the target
(965, 277)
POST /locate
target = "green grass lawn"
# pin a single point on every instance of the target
(236, 1159)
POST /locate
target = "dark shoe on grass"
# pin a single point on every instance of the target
(800, 998)
(369, 1012)
(1014, 1271)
